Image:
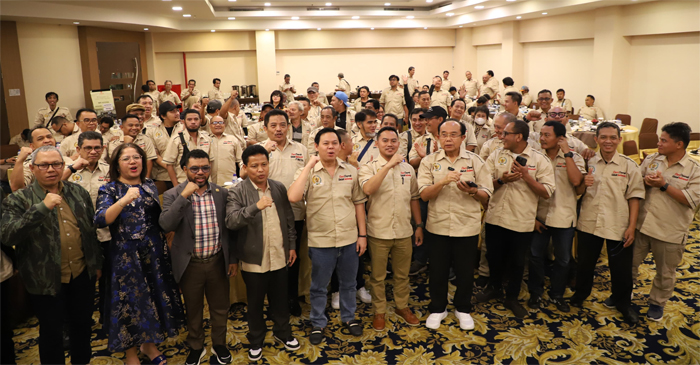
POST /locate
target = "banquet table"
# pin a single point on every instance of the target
(628, 133)
(5, 171)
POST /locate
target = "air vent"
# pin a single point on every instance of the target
(322, 9)
(399, 9)
(246, 9)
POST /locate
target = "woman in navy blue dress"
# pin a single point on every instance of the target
(143, 305)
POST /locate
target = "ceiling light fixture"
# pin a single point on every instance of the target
(145, 28)
(232, 1)
(510, 0)
(356, 17)
(428, 1)
(318, 28)
(479, 7)
(461, 26)
(267, 30)
(329, 4)
(387, 4)
(410, 17)
(450, 14)
(371, 28)
(295, 18)
(425, 27)
(544, 13)
(177, 8)
(518, 17)
(267, 4)
(213, 31)
(232, 18)
(186, 15)
(76, 23)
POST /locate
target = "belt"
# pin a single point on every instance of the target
(207, 259)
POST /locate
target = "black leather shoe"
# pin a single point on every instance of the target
(535, 301)
(294, 308)
(630, 316)
(488, 293)
(561, 304)
(576, 302)
(515, 307)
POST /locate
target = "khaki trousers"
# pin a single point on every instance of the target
(400, 250)
(667, 256)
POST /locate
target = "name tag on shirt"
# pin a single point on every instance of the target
(619, 173)
(297, 156)
(345, 178)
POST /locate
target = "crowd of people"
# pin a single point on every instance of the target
(423, 179)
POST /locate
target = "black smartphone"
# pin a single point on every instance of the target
(451, 168)
(521, 160)
(472, 184)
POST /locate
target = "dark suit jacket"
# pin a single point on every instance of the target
(178, 216)
(242, 214)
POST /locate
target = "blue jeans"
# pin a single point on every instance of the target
(344, 261)
(562, 241)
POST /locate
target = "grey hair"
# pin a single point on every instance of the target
(168, 81)
(299, 105)
(44, 149)
(510, 118)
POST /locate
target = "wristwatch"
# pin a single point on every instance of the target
(420, 225)
(500, 181)
(72, 169)
(663, 188)
(569, 154)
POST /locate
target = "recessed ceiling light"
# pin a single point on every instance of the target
(425, 27)
(371, 28)
(145, 28)
(450, 14)
(506, 0)
(387, 4)
(479, 7)
(544, 13)
(461, 26)
(428, 1)
(318, 28)
(356, 17)
(295, 18)
(329, 4)
(267, 4)
(187, 15)
(518, 17)
(232, 1)
(410, 17)
(213, 31)
(177, 8)
(232, 18)
(267, 30)
(76, 23)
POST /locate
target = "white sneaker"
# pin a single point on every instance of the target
(335, 300)
(434, 320)
(465, 320)
(364, 295)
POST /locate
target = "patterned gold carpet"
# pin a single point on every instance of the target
(594, 334)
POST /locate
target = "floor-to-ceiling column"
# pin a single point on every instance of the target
(267, 63)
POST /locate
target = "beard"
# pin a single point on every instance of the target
(192, 130)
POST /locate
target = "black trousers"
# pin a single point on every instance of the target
(7, 346)
(102, 283)
(75, 298)
(459, 253)
(506, 252)
(272, 284)
(293, 279)
(619, 262)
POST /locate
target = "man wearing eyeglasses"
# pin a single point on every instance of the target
(22, 174)
(202, 253)
(131, 129)
(225, 151)
(86, 119)
(559, 115)
(58, 255)
(62, 128)
(538, 117)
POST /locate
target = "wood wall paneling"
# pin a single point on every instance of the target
(11, 65)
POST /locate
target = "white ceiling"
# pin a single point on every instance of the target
(206, 15)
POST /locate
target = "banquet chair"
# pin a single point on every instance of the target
(649, 125)
(648, 140)
(629, 149)
(625, 118)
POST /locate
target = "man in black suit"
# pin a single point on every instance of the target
(201, 254)
(259, 210)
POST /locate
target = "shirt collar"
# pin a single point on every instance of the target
(683, 161)
(319, 165)
(616, 158)
(206, 191)
(41, 193)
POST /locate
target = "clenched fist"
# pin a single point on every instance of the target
(52, 200)
(131, 195)
(264, 202)
(189, 189)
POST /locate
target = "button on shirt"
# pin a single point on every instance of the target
(216, 94)
(454, 213)
(193, 98)
(226, 153)
(359, 144)
(206, 226)
(161, 140)
(559, 211)
(169, 96)
(72, 258)
(440, 98)
(514, 205)
(330, 205)
(389, 208)
(661, 216)
(44, 114)
(173, 153)
(284, 163)
(604, 209)
(288, 93)
(393, 101)
(91, 181)
(273, 242)
(141, 140)
(471, 86)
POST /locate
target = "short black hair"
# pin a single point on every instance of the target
(384, 129)
(323, 131)
(150, 81)
(191, 80)
(562, 90)
(84, 110)
(559, 129)
(459, 99)
(472, 110)
(521, 128)
(190, 111)
(286, 75)
(515, 96)
(591, 96)
(215, 80)
(363, 87)
(423, 92)
(678, 131)
(483, 99)
(145, 88)
(607, 125)
(452, 88)
(144, 96)
(304, 98)
(89, 135)
(375, 103)
(196, 153)
(108, 120)
(25, 133)
(508, 81)
(124, 118)
(411, 68)
(51, 93)
(360, 117)
(484, 109)
(315, 82)
(332, 109)
(266, 106)
(391, 115)
(462, 127)
(393, 77)
(416, 111)
(253, 150)
(59, 120)
(544, 91)
(490, 73)
(274, 112)
(31, 132)
(114, 161)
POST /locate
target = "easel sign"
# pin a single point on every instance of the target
(102, 101)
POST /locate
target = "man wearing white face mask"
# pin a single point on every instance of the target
(482, 126)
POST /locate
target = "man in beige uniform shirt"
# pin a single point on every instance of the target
(154, 94)
(508, 87)
(232, 126)
(439, 96)
(225, 151)
(131, 128)
(393, 195)
(162, 134)
(298, 130)
(393, 101)
(458, 109)
(215, 93)
(672, 182)
(335, 211)
(446, 84)
(407, 138)
(527, 98)
(288, 89)
(256, 131)
(364, 144)
(427, 144)
(559, 115)
(43, 115)
(488, 87)
(328, 118)
(470, 86)
(86, 119)
(316, 104)
(151, 117)
(168, 94)
(411, 82)
(456, 183)
(556, 219)
(512, 211)
(613, 188)
(563, 102)
(62, 127)
(322, 97)
(590, 111)
(193, 137)
(343, 85)
(537, 118)
(191, 95)
(22, 174)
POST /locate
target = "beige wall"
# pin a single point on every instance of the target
(233, 68)
(664, 76)
(50, 62)
(364, 38)
(488, 58)
(555, 65)
(203, 41)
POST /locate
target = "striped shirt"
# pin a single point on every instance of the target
(206, 227)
